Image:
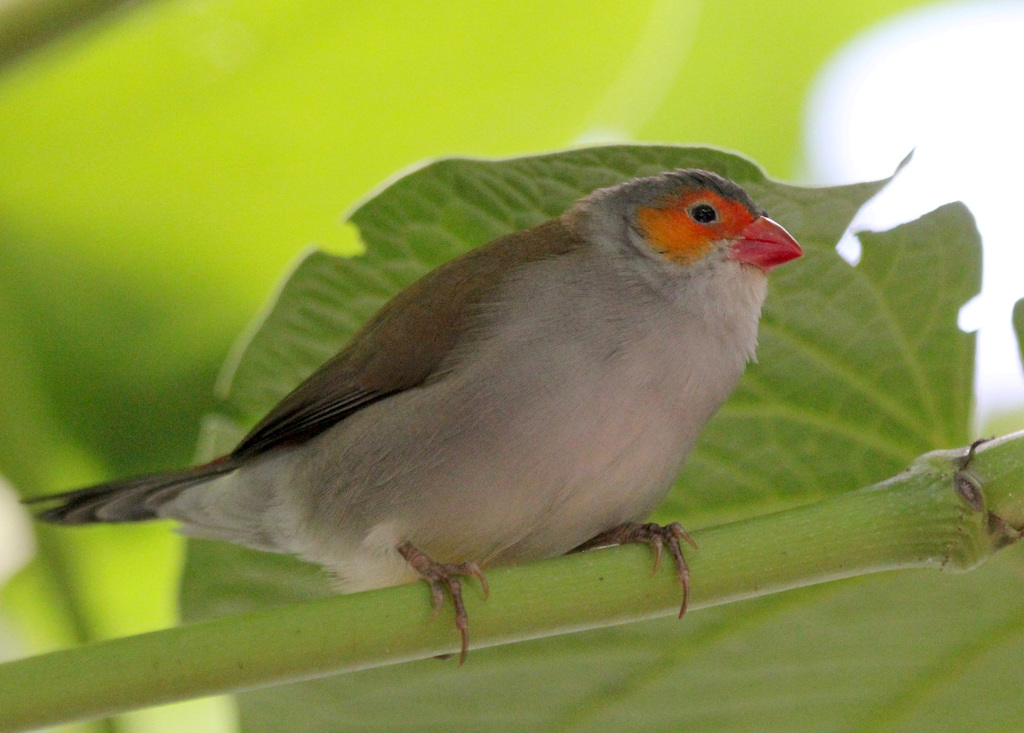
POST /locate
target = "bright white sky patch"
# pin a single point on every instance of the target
(947, 82)
(16, 541)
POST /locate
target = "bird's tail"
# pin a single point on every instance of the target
(127, 500)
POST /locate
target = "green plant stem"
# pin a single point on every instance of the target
(916, 519)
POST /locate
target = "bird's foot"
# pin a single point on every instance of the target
(657, 536)
(442, 577)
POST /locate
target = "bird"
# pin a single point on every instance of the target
(534, 396)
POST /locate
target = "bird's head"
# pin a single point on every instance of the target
(688, 217)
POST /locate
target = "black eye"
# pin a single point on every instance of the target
(703, 213)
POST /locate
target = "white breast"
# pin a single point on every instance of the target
(612, 379)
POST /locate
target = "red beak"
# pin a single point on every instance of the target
(765, 244)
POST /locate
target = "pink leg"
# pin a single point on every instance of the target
(442, 577)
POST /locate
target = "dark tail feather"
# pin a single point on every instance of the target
(128, 500)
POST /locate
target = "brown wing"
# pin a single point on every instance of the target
(406, 341)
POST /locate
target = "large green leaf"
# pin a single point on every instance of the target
(160, 167)
(861, 368)
(162, 164)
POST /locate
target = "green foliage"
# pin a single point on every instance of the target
(162, 166)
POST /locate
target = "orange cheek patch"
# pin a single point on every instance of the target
(672, 232)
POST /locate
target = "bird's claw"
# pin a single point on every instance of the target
(443, 577)
(657, 537)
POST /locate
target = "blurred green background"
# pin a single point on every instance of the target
(162, 165)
